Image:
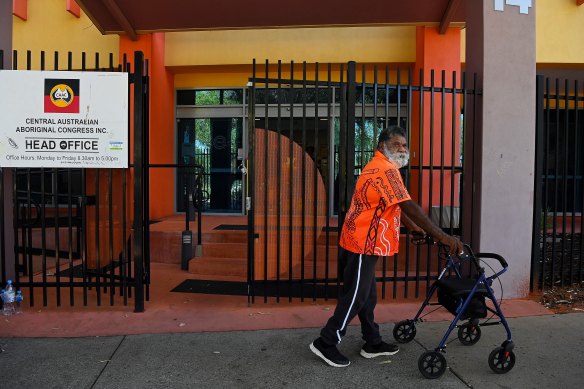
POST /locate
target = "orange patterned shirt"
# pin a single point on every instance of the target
(372, 223)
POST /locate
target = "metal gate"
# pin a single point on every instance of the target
(78, 234)
(559, 187)
(311, 128)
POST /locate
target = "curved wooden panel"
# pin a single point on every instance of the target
(285, 240)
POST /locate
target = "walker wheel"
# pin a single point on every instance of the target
(404, 331)
(469, 334)
(432, 364)
(501, 361)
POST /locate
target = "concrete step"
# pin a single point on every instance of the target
(226, 250)
(166, 246)
(223, 236)
(218, 266)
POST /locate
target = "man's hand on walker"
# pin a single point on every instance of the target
(455, 246)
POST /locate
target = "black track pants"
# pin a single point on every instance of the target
(359, 297)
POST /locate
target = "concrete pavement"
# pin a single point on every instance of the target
(548, 351)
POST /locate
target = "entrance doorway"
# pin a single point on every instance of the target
(215, 144)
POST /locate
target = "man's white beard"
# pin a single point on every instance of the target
(399, 159)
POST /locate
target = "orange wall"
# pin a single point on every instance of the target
(161, 120)
(440, 53)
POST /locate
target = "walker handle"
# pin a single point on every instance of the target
(494, 256)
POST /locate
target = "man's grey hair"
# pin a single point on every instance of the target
(389, 132)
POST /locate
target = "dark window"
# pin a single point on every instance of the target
(185, 97)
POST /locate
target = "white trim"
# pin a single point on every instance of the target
(352, 301)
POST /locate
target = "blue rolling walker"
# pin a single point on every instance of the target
(462, 287)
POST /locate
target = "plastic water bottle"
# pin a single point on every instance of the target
(8, 299)
(18, 302)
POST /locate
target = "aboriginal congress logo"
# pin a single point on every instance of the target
(62, 95)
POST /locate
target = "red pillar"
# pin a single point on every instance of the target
(161, 119)
(432, 128)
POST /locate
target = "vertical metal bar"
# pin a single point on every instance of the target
(70, 235)
(398, 118)
(128, 287)
(555, 210)
(407, 183)
(291, 183)
(454, 135)
(43, 238)
(83, 240)
(420, 178)
(146, 178)
(84, 235)
(574, 185)
(15, 224)
(123, 260)
(57, 233)
(97, 242)
(386, 125)
(442, 125)
(329, 102)
(375, 85)
(138, 182)
(342, 167)
(579, 173)
(342, 178)
(565, 181)
(545, 200)
(28, 224)
(278, 180)
(580, 159)
(431, 164)
(464, 111)
(112, 266)
(362, 159)
(266, 170)
(315, 181)
(470, 171)
(538, 234)
(251, 188)
(350, 140)
(409, 167)
(303, 180)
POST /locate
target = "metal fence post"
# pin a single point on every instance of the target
(537, 189)
(138, 182)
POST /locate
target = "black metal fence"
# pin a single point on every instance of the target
(311, 128)
(75, 237)
(559, 187)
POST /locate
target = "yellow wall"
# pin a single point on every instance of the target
(51, 28)
(327, 44)
(559, 32)
(238, 75)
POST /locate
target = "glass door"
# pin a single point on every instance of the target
(215, 144)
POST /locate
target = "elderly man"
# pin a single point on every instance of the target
(371, 229)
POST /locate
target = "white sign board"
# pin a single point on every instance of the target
(63, 119)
